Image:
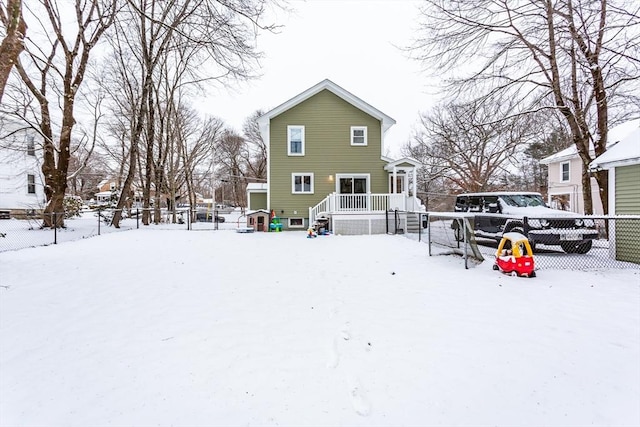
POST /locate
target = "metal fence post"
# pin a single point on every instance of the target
(137, 218)
(466, 243)
(99, 219)
(55, 228)
(429, 235)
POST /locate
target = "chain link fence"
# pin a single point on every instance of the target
(581, 242)
(29, 231)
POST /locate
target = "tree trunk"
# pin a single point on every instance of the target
(13, 42)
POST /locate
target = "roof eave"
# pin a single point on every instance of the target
(327, 84)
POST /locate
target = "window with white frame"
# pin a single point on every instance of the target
(31, 146)
(296, 223)
(302, 183)
(295, 140)
(358, 135)
(31, 184)
(564, 171)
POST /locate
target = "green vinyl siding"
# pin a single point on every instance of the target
(258, 201)
(627, 190)
(627, 199)
(327, 119)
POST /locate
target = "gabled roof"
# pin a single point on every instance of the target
(327, 84)
(258, 211)
(616, 134)
(625, 152)
(398, 163)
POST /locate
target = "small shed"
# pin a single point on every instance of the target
(259, 220)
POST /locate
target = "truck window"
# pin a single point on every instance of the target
(461, 204)
(491, 204)
(475, 204)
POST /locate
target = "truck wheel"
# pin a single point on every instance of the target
(569, 247)
(585, 247)
(514, 227)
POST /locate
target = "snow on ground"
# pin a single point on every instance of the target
(215, 328)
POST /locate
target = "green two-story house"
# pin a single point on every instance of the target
(326, 159)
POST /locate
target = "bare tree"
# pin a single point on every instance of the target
(195, 151)
(13, 43)
(578, 57)
(256, 160)
(230, 152)
(465, 145)
(222, 33)
(53, 73)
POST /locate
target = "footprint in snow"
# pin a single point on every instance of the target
(334, 356)
(358, 397)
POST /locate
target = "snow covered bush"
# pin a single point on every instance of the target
(72, 206)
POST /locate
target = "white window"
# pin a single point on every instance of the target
(295, 140)
(31, 184)
(31, 146)
(302, 183)
(296, 223)
(358, 135)
(564, 172)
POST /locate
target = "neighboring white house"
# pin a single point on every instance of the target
(565, 174)
(622, 160)
(21, 183)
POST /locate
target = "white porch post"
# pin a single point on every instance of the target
(414, 176)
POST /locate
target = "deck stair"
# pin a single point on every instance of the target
(413, 222)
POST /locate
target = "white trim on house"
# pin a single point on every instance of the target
(395, 166)
(301, 225)
(335, 89)
(301, 174)
(291, 128)
(367, 176)
(364, 142)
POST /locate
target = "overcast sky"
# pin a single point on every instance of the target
(354, 43)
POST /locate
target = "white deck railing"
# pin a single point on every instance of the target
(357, 203)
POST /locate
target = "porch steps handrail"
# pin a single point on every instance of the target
(323, 206)
(366, 202)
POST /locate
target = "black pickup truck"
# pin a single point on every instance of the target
(526, 213)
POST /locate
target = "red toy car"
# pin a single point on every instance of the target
(514, 256)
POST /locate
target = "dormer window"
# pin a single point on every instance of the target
(359, 135)
(295, 140)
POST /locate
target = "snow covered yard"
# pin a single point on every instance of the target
(182, 328)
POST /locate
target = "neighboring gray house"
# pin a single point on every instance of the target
(565, 175)
(21, 184)
(622, 160)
